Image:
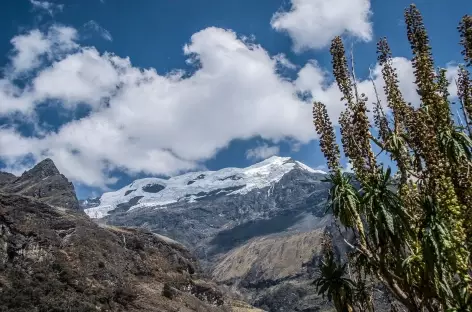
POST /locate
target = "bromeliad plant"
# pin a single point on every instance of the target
(413, 231)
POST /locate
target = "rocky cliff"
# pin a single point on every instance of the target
(54, 258)
(44, 183)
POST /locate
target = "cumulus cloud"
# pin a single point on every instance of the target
(30, 47)
(283, 61)
(144, 122)
(83, 77)
(14, 99)
(49, 7)
(262, 152)
(313, 23)
(160, 124)
(96, 27)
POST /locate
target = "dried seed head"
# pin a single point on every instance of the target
(464, 91)
(465, 30)
(340, 69)
(325, 130)
(422, 59)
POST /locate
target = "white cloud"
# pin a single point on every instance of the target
(30, 47)
(14, 99)
(452, 75)
(262, 152)
(85, 76)
(313, 23)
(27, 49)
(142, 121)
(348, 168)
(49, 7)
(94, 26)
(162, 124)
(283, 61)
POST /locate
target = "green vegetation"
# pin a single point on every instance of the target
(413, 229)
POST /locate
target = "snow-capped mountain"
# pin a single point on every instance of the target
(256, 228)
(194, 186)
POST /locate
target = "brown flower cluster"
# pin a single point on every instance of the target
(355, 125)
(327, 135)
(465, 30)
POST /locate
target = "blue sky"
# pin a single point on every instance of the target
(113, 90)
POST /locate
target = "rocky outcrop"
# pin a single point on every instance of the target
(6, 178)
(44, 183)
(53, 259)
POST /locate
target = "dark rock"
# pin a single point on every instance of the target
(233, 177)
(129, 192)
(200, 177)
(43, 182)
(126, 206)
(56, 260)
(6, 178)
(153, 188)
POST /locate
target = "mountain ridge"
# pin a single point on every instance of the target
(194, 186)
(43, 182)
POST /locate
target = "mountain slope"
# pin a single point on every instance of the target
(53, 258)
(258, 234)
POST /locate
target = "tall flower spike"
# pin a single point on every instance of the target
(346, 134)
(422, 59)
(430, 116)
(465, 30)
(340, 69)
(402, 114)
(381, 122)
(325, 130)
(464, 92)
(380, 119)
(395, 99)
(355, 126)
(362, 137)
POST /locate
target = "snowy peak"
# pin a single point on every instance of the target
(196, 186)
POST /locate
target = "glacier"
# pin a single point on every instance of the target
(192, 186)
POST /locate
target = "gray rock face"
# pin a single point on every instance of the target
(262, 244)
(6, 178)
(56, 260)
(43, 182)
